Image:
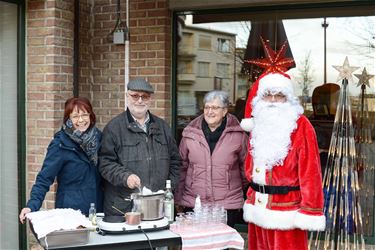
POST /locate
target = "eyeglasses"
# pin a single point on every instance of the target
(84, 116)
(276, 97)
(213, 108)
(136, 97)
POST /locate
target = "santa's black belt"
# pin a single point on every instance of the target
(267, 189)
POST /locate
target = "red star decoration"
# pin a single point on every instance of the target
(274, 61)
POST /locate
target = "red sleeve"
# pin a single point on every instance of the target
(310, 214)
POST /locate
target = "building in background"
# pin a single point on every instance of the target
(206, 61)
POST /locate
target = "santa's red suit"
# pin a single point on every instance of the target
(279, 219)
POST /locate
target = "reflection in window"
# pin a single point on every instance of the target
(203, 69)
(186, 44)
(186, 103)
(205, 42)
(216, 61)
(222, 70)
(185, 67)
(222, 45)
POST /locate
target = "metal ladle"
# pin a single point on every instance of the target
(118, 210)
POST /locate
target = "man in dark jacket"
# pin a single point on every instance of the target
(138, 150)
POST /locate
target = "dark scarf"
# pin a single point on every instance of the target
(88, 140)
(212, 137)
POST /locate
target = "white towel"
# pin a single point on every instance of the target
(45, 222)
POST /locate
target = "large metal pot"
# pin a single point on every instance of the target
(150, 206)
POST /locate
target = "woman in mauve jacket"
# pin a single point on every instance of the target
(213, 149)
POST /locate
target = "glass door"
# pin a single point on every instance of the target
(213, 51)
(9, 238)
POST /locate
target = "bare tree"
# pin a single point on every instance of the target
(305, 74)
(365, 33)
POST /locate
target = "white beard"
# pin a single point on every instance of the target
(270, 138)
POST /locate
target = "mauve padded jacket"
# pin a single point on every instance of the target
(218, 178)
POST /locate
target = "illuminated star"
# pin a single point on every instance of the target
(364, 78)
(345, 70)
(274, 61)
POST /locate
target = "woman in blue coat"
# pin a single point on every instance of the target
(71, 158)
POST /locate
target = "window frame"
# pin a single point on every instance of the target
(223, 45)
(201, 40)
(21, 114)
(199, 67)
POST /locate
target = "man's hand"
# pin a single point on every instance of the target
(133, 181)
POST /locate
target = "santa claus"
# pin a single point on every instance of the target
(285, 197)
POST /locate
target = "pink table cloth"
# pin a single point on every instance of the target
(218, 236)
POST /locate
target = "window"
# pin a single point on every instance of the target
(223, 45)
(187, 39)
(187, 44)
(203, 69)
(185, 67)
(186, 104)
(345, 32)
(222, 70)
(204, 42)
(8, 127)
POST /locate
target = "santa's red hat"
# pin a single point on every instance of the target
(269, 81)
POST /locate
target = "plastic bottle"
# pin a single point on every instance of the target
(169, 202)
(92, 213)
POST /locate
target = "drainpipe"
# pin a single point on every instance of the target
(127, 44)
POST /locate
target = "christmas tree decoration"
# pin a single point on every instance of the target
(364, 78)
(363, 131)
(344, 226)
(363, 146)
(345, 70)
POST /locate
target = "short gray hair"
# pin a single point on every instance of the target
(217, 94)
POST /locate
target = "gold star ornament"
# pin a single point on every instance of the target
(345, 70)
(364, 78)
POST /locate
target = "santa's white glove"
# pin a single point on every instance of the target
(247, 124)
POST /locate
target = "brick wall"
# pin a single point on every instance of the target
(102, 62)
(150, 50)
(49, 78)
(103, 78)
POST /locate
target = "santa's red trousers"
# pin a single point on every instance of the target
(269, 239)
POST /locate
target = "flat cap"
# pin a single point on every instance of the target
(140, 84)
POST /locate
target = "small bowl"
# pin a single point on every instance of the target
(133, 218)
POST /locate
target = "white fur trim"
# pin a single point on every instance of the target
(269, 219)
(247, 124)
(275, 81)
(282, 220)
(310, 222)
